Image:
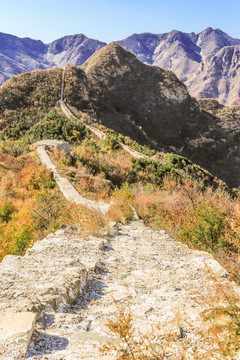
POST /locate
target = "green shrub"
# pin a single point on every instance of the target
(6, 211)
(55, 126)
(207, 229)
(49, 211)
(158, 169)
(92, 145)
(124, 192)
(22, 240)
(111, 143)
(15, 147)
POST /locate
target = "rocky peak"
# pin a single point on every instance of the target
(212, 40)
(136, 93)
(188, 55)
(142, 45)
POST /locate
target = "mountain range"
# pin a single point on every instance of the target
(147, 103)
(208, 62)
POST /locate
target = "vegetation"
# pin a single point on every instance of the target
(168, 192)
(56, 126)
(23, 104)
(128, 141)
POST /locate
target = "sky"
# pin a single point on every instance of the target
(109, 20)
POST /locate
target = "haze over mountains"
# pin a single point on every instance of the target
(208, 62)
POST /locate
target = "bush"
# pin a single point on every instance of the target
(92, 145)
(88, 221)
(17, 234)
(15, 147)
(6, 211)
(207, 229)
(55, 126)
(50, 210)
(111, 143)
(124, 192)
(155, 168)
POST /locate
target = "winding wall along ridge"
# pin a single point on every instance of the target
(100, 134)
(67, 189)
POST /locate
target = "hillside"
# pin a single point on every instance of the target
(154, 107)
(69, 288)
(208, 62)
(105, 273)
(147, 103)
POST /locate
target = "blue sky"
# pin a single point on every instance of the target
(109, 20)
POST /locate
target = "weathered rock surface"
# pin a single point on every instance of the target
(16, 331)
(48, 278)
(208, 62)
(72, 284)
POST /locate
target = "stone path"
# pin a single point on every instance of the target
(143, 270)
(67, 189)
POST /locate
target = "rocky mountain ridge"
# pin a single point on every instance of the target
(25, 54)
(152, 106)
(145, 102)
(208, 62)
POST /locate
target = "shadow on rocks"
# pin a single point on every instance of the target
(44, 344)
(93, 290)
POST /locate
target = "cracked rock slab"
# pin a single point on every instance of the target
(16, 330)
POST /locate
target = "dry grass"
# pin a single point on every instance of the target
(217, 338)
(120, 211)
(88, 221)
(132, 345)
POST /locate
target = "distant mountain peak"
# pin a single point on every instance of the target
(194, 58)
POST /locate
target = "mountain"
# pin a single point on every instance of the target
(22, 55)
(152, 106)
(208, 62)
(147, 103)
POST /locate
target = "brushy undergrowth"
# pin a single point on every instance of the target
(31, 205)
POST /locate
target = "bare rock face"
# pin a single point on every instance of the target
(219, 77)
(208, 62)
(25, 54)
(49, 277)
(192, 57)
(16, 331)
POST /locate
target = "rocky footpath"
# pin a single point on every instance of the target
(56, 300)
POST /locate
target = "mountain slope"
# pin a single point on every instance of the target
(144, 102)
(153, 106)
(208, 62)
(25, 54)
